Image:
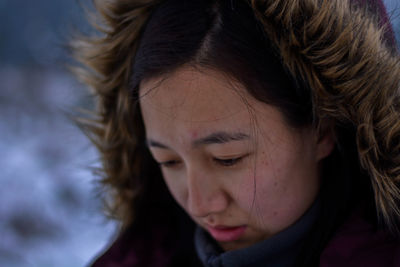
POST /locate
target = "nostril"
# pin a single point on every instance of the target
(210, 220)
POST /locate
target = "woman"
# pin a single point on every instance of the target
(247, 133)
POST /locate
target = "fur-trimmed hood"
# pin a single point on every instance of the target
(344, 51)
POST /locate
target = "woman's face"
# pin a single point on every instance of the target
(230, 161)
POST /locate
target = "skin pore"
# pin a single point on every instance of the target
(227, 166)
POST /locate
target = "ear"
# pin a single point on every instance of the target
(325, 140)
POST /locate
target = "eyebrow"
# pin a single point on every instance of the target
(214, 138)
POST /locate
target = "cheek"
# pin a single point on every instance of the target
(261, 182)
(284, 191)
(267, 202)
(255, 193)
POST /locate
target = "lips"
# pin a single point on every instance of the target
(226, 234)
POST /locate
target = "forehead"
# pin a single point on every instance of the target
(193, 103)
(193, 95)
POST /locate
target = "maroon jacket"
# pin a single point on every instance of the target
(358, 244)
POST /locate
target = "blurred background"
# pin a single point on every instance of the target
(50, 213)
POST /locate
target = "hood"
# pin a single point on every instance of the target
(344, 51)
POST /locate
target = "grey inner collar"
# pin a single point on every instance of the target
(279, 250)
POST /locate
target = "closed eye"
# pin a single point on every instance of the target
(228, 162)
(169, 163)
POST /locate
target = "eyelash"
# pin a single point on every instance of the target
(228, 162)
(222, 162)
(169, 163)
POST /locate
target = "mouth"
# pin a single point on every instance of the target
(226, 234)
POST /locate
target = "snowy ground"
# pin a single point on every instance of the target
(49, 212)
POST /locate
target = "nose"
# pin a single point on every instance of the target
(205, 196)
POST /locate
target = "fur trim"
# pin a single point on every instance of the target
(338, 50)
(107, 61)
